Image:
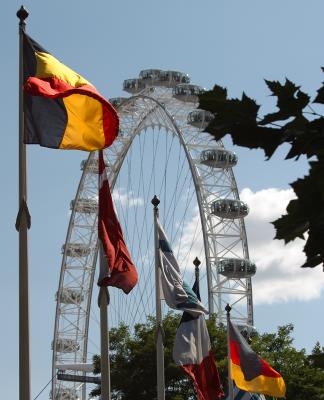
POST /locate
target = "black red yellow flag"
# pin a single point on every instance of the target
(62, 110)
(249, 371)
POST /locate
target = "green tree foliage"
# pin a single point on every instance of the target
(133, 362)
(317, 356)
(304, 380)
(294, 123)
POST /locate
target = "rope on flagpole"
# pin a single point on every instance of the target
(44, 388)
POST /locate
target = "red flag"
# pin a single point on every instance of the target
(116, 266)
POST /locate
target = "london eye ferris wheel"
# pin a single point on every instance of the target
(161, 150)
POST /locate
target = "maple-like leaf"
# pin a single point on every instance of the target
(320, 93)
(290, 101)
(239, 118)
(306, 214)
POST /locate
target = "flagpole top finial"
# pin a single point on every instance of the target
(196, 262)
(228, 309)
(22, 14)
(155, 201)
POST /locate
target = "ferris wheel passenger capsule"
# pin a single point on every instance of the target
(187, 93)
(86, 206)
(117, 101)
(70, 296)
(248, 331)
(236, 268)
(76, 249)
(133, 85)
(64, 345)
(218, 158)
(199, 118)
(150, 76)
(91, 165)
(170, 79)
(229, 208)
(64, 394)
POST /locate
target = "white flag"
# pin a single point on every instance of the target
(176, 292)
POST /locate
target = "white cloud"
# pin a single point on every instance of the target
(191, 245)
(279, 276)
(124, 198)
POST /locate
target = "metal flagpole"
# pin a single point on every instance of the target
(103, 302)
(22, 226)
(196, 263)
(230, 381)
(159, 328)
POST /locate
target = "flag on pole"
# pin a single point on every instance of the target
(192, 352)
(176, 293)
(62, 110)
(116, 266)
(249, 371)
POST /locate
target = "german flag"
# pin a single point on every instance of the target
(250, 372)
(62, 110)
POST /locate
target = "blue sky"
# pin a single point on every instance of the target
(235, 44)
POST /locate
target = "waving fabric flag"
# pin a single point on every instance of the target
(249, 371)
(62, 110)
(176, 293)
(192, 352)
(116, 266)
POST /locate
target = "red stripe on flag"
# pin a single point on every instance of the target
(235, 352)
(267, 370)
(57, 88)
(110, 124)
(205, 378)
(54, 87)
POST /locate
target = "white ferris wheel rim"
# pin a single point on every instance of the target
(169, 113)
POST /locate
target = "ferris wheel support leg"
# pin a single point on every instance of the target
(103, 302)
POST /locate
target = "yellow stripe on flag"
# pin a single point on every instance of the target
(48, 67)
(84, 130)
(262, 384)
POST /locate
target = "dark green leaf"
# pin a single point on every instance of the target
(313, 262)
(306, 214)
(306, 137)
(239, 118)
(320, 94)
(291, 101)
(211, 100)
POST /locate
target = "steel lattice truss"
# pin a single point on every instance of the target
(153, 108)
